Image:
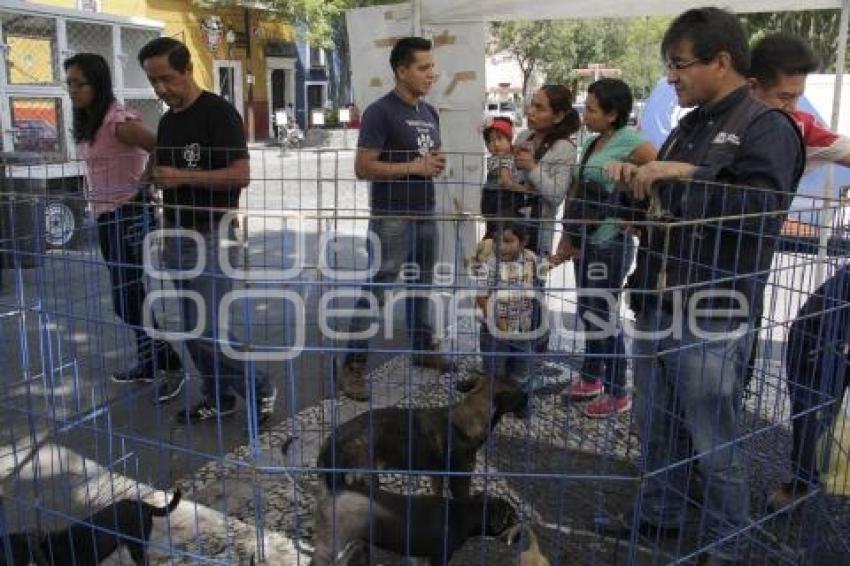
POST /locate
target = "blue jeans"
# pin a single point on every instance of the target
(506, 358)
(401, 240)
(688, 401)
(222, 376)
(121, 233)
(600, 272)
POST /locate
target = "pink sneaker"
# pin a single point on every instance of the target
(607, 406)
(582, 389)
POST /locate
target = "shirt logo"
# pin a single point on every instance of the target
(723, 137)
(192, 155)
(425, 142)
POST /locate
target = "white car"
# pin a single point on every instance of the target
(503, 109)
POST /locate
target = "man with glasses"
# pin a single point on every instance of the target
(698, 285)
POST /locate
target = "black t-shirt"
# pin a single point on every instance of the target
(207, 135)
(402, 132)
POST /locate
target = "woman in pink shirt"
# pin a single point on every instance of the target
(115, 146)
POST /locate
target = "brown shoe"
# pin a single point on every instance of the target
(352, 382)
(786, 495)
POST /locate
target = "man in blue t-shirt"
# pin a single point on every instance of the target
(398, 151)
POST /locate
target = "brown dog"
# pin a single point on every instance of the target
(421, 439)
(428, 526)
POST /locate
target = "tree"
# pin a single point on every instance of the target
(576, 44)
(641, 62)
(818, 27)
(530, 43)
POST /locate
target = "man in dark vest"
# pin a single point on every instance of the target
(701, 273)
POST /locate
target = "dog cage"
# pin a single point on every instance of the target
(75, 443)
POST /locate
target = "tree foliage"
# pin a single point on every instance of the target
(531, 44)
(818, 27)
(318, 20)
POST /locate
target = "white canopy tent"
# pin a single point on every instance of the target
(458, 27)
(467, 11)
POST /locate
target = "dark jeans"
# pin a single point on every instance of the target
(506, 358)
(688, 401)
(401, 241)
(600, 272)
(818, 377)
(122, 233)
(223, 375)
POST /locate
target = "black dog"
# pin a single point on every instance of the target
(25, 549)
(438, 439)
(128, 522)
(415, 525)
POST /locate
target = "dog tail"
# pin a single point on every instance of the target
(172, 505)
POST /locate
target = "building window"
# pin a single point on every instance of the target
(316, 96)
(89, 5)
(317, 56)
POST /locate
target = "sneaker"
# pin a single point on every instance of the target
(138, 374)
(607, 406)
(582, 389)
(786, 495)
(204, 411)
(352, 382)
(265, 410)
(169, 388)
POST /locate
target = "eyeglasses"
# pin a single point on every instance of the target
(679, 65)
(75, 85)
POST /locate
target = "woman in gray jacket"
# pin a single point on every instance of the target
(545, 155)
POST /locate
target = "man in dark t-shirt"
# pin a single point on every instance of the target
(398, 151)
(202, 164)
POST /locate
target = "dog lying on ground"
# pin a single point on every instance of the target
(393, 438)
(126, 522)
(530, 555)
(25, 549)
(414, 525)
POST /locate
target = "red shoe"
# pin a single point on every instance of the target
(607, 406)
(582, 389)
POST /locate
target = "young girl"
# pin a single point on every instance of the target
(507, 303)
(503, 194)
(115, 146)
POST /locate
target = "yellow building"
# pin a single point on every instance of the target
(219, 41)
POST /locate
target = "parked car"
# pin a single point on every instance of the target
(35, 135)
(503, 109)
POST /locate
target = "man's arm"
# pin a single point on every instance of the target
(237, 175)
(368, 166)
(824, 145)
(134, 133)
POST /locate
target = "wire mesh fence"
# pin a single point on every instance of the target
(464, 444)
